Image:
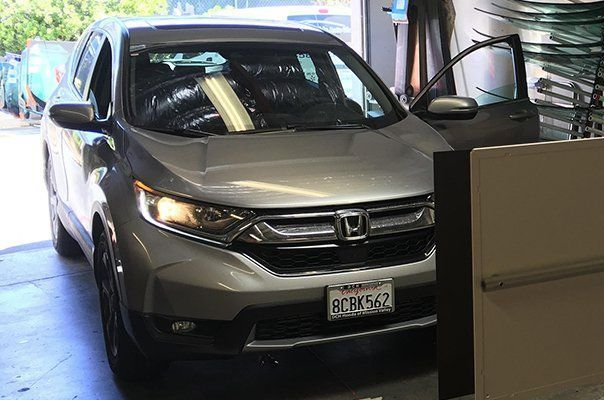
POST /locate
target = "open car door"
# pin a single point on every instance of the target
(480, 98)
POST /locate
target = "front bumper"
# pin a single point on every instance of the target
(235, 301)
(230, 338)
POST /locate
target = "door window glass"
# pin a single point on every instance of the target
(486, 75)
(86, 63)
(100, 83)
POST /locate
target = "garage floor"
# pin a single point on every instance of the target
(51, 345)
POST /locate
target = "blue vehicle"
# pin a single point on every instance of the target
(3, 71)
(10, 83)
(42, 67)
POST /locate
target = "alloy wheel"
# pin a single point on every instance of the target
(53, 202)
(109, 303)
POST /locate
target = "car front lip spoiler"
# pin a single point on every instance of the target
(282, 344)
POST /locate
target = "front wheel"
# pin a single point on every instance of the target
(125, 359)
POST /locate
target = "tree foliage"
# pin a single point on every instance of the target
(61, 19)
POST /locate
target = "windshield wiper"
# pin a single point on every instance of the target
(188, 132)
(191, 132)
(302, 128)
(262, 130)
(199, 132)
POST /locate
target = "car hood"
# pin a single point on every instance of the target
(290, 170)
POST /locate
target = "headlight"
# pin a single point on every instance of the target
(188, 216)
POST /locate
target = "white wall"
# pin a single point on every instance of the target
(379, 43)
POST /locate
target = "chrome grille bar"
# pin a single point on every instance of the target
(398, 223)
(277, 231)
(266, 232)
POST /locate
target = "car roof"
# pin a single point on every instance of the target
(149, 31)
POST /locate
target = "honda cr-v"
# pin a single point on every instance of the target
(243, 187)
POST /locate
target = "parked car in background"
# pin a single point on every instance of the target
(11, 71)
(332, 19)
(42, 66)
(3, 73)
(234, 195)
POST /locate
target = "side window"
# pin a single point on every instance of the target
(487, 75)
(84, 69)
(100, 83)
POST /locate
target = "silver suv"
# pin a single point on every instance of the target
(244, 187)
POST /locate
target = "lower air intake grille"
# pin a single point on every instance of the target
(316, 324)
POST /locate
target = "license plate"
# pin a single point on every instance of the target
(360, 299)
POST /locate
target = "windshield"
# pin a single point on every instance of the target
(247, 88)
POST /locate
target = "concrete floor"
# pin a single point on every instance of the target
(51, 344)
(23, 206)
(51, 347)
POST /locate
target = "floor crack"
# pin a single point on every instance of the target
(32, 281)
(46, 373)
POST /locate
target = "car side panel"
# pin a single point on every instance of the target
(492, 126)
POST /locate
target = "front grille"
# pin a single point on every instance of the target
(316, 324)
(402, 248)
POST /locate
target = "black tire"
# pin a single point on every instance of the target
(62, 241)
(125, 359)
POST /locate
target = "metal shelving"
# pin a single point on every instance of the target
(570, 96)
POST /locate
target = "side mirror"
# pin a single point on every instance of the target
(453, 107)
(77, 115)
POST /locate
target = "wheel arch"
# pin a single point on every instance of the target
(103, 223)
(45, 156)
(98, 227)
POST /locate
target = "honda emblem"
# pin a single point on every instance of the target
(352, 224)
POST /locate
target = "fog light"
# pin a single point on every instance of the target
(183, 326)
